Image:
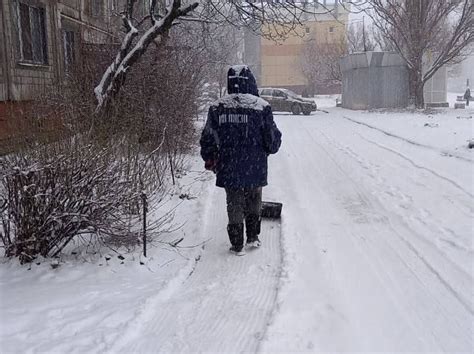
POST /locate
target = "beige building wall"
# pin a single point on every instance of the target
(281, 62)
(278, 65)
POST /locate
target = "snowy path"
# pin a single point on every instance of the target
(376, 255)
(223, 306)
(205, 300)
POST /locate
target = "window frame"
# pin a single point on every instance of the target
(36, 13)
(69, 61)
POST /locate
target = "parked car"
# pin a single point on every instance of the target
(287, 101)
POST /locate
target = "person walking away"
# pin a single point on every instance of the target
(467, 95)
(235, 143)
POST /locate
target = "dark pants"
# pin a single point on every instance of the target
(243, 205)
(243, 202)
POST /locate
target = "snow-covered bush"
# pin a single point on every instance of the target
(59, 191)
(89, 180)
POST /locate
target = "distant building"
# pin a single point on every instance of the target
(373, 80)
(279, 64)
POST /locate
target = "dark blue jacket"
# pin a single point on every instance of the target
(240, 133)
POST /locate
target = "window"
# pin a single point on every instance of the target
(32, 27)
(331, 29)
(69, 49)
(266, 92)
(307, 29)
(96, 8)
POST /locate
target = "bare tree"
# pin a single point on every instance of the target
(130, 52)
(442, 29)
(360, 38)
(319, 62)
(269, 18)
(221, 45)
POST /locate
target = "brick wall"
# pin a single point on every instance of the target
(8, 111)
(19, 124)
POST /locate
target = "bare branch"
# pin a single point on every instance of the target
(418, 28)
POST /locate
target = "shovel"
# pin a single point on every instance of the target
(271, 210)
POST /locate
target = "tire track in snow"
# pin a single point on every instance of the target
(443, 279)
(328, 259)
(314, 319)
(392, 190)
(419, 166)
(223, 306)
(406, 201)
(444, 153)
(397, 248)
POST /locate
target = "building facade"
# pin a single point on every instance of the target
(278, 64)
(39, 40)
(373, 80)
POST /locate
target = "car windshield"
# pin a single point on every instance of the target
(290, 93)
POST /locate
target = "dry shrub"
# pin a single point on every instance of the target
(89, 177)
(61, 190)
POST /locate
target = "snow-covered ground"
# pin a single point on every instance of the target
(374, 253)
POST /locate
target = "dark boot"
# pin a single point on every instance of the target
(236, 237)
(252, 226)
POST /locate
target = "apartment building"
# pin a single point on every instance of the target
(39, 40)
(278, 64)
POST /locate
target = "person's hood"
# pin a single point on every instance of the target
(241, 80)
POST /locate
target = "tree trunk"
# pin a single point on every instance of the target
(419, 96)
(416, 86)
